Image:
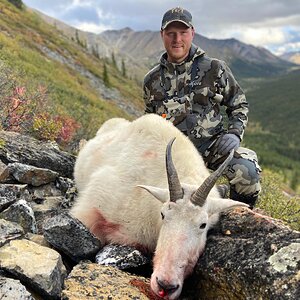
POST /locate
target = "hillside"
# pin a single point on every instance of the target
(38, 54)
(274, 123)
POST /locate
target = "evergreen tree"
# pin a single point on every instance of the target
(124, 68)
(113, 59)
(17, 3)
(105, 76)
(77, 36)
(95, 51)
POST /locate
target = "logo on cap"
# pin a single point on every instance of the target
(177, 10)
(177, 14)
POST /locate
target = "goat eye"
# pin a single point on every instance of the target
(203, 225)
(162, 215)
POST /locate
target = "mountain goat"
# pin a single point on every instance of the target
(126, 195)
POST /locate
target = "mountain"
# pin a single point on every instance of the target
(141, 50)
(245, 60)
(293, 57)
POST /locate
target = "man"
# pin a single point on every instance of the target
(188, 88)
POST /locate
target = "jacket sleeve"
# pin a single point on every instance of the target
(149, 108)
(235, 101)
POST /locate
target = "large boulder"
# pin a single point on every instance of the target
(39, 267)
(92, 281)
(29, 151)
(70, 236)
(249, 256)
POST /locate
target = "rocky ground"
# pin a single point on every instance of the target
(47, 254)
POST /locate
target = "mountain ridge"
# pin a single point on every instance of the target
(142, 49)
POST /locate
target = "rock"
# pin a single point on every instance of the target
(21, 213)
(39, 267)
(9, 231)
(38, 239)
(121, 256)
(46, 190)
(15, 192)
(29, 151)
(31, 175)
(45, 209)
(70, 236)
(65, 184)
(11, 289)
(6, 202)
(247, 256)
(4, 173)
(260, 259)
(69, 189)
(92, 281)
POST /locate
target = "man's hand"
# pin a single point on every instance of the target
(227, 143)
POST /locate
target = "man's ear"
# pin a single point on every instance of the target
(193, 32)
(159, 193)
(217, 205)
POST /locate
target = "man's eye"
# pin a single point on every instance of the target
(162, 215)
(202, 226)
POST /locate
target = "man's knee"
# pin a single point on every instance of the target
(244, 173)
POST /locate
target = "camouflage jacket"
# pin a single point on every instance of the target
(190, 95)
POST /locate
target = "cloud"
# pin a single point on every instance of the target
(265, 23)
(92, 27)
(263, 36)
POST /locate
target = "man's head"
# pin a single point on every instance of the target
(177, 32)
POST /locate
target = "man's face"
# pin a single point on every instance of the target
(177, 39)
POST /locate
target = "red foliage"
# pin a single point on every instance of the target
(68, 128)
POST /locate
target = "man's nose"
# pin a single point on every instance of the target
(177, 37)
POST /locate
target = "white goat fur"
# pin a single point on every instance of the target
(108, 171)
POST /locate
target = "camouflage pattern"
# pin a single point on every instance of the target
(193, 105)
(198, 100)
(243, 171)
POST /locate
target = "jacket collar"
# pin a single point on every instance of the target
(193, 53)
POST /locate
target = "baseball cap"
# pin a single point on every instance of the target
(177, 14)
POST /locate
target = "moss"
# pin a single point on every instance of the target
(2, 143)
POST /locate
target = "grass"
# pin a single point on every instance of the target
(24, 35)
(276, 201)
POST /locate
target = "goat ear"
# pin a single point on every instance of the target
(217, 205)
(159, 193)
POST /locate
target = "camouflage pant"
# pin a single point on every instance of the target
(243, 172)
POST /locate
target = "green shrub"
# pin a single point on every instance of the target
(17, 3)
(277, 202)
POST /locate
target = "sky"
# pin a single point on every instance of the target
(273, 24)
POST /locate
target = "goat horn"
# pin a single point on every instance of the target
(199, 196)
(175, 188)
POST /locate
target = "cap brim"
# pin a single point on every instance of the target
(168, 23)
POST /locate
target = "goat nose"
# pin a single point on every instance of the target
(166, 288)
